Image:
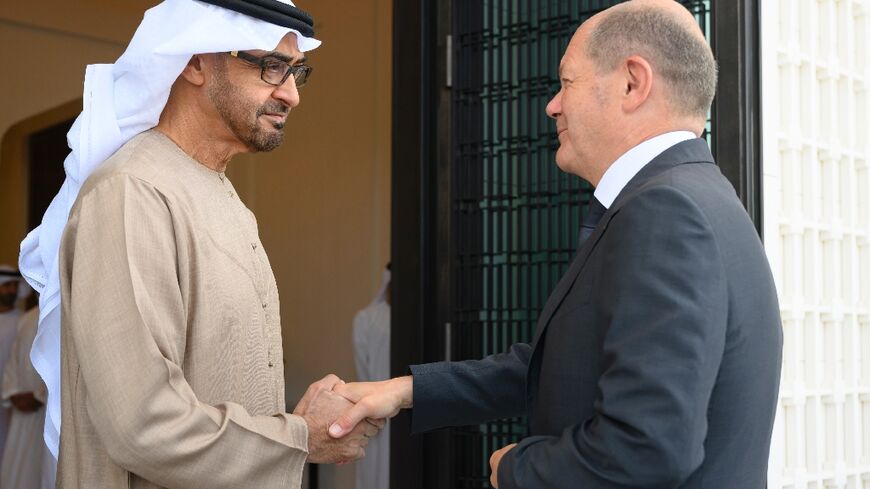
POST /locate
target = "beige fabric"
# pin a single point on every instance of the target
(172, 362)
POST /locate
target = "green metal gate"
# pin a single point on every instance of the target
(515, 217)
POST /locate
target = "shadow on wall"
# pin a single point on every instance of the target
(31, 172)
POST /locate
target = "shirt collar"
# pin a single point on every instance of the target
(629, 164)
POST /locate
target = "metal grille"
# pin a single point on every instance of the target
(515, 215)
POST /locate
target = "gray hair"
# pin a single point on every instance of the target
(678, 55)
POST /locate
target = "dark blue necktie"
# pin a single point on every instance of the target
(596, 210)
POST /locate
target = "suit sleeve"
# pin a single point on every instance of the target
(665, 294)
(470, 392)
(124, 315)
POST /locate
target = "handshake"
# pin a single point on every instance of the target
(342, 417)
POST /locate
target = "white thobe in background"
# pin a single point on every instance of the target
(371, 344)
(26, 462)
(8, 332)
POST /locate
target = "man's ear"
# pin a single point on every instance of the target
(638, 82)
(193, 72)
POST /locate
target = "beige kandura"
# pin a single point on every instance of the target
(181, 294)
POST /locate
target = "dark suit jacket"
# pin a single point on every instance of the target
(656, 360)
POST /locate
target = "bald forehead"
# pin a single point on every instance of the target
(575, 45)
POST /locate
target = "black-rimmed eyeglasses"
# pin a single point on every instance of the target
(275, 71)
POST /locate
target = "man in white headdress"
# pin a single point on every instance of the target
(172, 362)
(371, 349)
(10, 286)
(26, 462)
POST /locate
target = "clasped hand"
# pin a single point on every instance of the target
(320, 407)
(343, 417)
(381, 400)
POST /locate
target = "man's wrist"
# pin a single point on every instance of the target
(404, 386)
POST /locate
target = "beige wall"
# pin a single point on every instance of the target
(322, 200)
(42, 69)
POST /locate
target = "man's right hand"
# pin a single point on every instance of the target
(320, 407)
(372, 400)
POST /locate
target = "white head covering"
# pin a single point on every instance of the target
(120, 101)
(12, 275)
(381, 296)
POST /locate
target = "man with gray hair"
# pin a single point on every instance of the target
(657, 357)
(171, 364)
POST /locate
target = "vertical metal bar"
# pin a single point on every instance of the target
(448, 342)
(736, 123)
(448, 53)
(411, 128)
(491, 137)
(313, 476)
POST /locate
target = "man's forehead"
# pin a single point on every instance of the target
(572, 52)
(288, 47)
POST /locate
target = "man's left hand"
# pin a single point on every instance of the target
(494, 460)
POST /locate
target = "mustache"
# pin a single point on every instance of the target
(273, 107)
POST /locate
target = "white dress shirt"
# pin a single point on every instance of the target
(629, 164)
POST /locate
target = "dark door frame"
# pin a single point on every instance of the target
(737, 109)
(413, 209)
(419, 67)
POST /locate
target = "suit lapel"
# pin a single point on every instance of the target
(693, 150)
(567, 281)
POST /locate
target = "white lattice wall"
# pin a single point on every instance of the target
(816, 148)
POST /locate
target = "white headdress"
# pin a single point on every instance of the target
(10, 274)
(120, 101)
(381, 296)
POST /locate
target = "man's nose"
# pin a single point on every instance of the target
(287, 92)
(554, 108)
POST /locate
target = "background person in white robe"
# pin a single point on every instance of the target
(371, 345)
(25, 464)
(10, 281)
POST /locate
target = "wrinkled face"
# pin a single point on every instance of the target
(8, 294)
(252, 109)
(582, 110)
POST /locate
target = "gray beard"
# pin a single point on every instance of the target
(228, 101)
